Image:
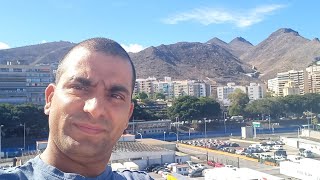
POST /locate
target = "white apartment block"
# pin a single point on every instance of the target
(312, 82)
(273, 86)
(255, 91)
(224, 91)
(291, 88)
(295, 78)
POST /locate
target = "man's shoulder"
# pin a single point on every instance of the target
(141, 175)
(19, 172)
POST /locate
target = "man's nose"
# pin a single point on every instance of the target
(95, 107)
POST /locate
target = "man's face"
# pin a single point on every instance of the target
(91, 105)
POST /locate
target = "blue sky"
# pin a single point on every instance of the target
(143, 23)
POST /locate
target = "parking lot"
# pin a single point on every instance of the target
(236, 153)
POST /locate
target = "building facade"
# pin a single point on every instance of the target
(24, 83)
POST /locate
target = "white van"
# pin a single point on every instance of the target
(255, 146)
(277, 147)
(131, 166)
(265, 156)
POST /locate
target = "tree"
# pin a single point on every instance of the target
(239, 100)
(138, 112)
(142, 95)
(160, 96)
(189, 108)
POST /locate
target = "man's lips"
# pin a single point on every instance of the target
(89, 129)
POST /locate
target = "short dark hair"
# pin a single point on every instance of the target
(103, 45)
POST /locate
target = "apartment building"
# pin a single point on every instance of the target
(181, 88)
(256, 91)
(24, 83)
(165, 87)
(273, 86)
(224, 91)
(312, 79)
(145, 85)
(291, 79)
(211, 89)
(291, 88)
(197, 89)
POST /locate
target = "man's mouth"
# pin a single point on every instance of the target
(89, 129)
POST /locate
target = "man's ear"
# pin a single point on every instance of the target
(49, 92)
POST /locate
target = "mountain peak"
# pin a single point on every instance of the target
(285, 31)
(216, 40)
(239, 39)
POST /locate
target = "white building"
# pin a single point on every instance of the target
(307, 169)
(224, 91)
(149, 127)
(296, 79)
(255, 91)
(312, 84)
(225, 173)
(291, 88)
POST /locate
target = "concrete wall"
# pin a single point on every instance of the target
(315, 134)
(182, 159)
(144, 155)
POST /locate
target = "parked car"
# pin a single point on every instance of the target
(196, 173)
(280, 153)
(305, 153)
(211, 163)
(149, 168)
(277, 147)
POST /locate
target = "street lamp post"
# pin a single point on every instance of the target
(177, 123)
(0, 139)
(205, 135)
(24, 136)
(189, 131)
(164, 136)
(205, 129)
(269, 122)
(225, 127)
(175, 134)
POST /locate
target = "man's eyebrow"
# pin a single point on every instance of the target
(119, 88)
(82, 80)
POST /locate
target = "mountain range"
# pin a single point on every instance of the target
(215, 59)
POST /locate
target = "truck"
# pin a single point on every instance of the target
(117, 167)
(131, 166)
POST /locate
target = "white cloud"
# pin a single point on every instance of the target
(207, 16)
(4, 45)
(43, 41)
(132, 47)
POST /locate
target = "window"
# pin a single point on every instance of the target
(17, 70)
(4, 69)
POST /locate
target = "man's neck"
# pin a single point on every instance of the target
(68, 163)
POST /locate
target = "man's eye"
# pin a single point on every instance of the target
(78, 87)
(117, 96)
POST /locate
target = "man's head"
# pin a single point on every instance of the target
(103, 45)
(89, 106)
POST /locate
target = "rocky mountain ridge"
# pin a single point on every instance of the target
(283, 50)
